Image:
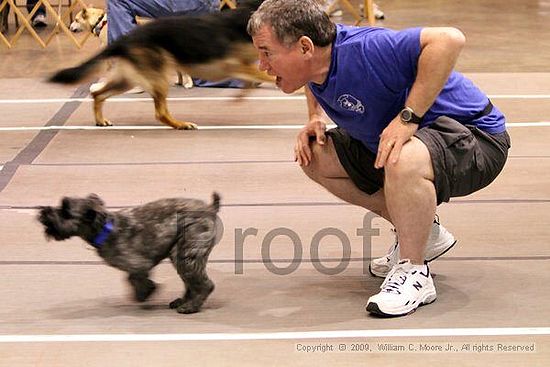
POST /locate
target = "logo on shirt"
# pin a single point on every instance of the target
(350, 103)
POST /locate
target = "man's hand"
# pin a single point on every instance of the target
(302, 151)
(391, 141)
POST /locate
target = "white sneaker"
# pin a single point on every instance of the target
(406, 288)
(336, 12)
(378, 13)
(439, 242)
(39, 21)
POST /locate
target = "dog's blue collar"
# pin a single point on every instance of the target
(101, 237)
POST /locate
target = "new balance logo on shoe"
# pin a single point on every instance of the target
(406, 287)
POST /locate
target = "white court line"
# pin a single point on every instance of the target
(149, 99)
(528, 124)
(226, 98)
(155, 127)
(518, 96)
(212, 127)
(277, 335)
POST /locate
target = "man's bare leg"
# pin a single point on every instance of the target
(411, 198)
(408, 199)
(326, 169)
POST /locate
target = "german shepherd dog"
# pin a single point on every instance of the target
(214, 46)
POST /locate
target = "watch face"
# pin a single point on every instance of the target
(406, 115)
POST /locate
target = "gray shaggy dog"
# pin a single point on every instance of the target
(137, 239)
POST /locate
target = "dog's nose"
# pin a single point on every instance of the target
(43, 214)
(75, 27)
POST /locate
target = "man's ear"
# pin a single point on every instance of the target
(306, 46)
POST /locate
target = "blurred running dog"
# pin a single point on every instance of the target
(213, 47)
(136, 240)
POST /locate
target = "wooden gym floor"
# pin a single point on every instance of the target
(61, 306)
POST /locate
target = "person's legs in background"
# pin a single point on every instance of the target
(39, 18)
(122, 13)
(194, 7)
(337, 12)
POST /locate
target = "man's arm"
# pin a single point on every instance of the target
(439, 50)
(314, 127)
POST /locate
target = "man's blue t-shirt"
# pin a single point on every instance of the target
(371, 73)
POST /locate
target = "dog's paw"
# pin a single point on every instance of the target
(145, 290)
(185, 307)
(188, 308)
(187, 126)
(176, 303)
(105, 122)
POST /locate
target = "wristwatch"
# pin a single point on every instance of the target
(407, 116)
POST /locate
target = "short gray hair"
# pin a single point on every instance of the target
(292, 19)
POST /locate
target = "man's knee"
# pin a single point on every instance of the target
(324, 161)
(314, 168)
(414, 160)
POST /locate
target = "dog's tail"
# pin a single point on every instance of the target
(86, 69)
(78, 73)
(215, 202)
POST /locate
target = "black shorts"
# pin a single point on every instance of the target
(465, 159)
